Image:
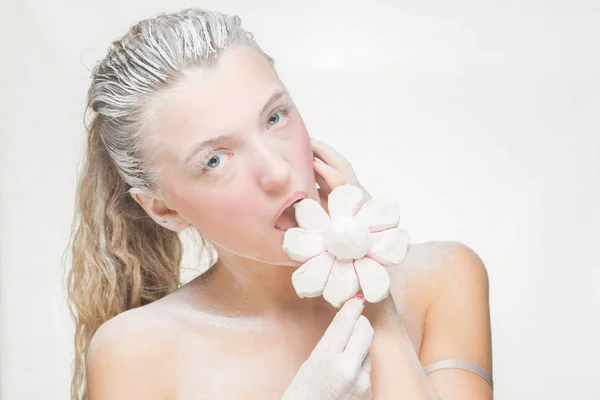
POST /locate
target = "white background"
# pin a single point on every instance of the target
(482, 118)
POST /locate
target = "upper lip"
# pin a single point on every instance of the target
(297, 195)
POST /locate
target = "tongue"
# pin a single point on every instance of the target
(287, 220)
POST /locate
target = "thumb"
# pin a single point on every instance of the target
(331, 176)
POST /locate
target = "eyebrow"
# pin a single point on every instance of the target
(220, 138)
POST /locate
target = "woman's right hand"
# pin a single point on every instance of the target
(340, 365)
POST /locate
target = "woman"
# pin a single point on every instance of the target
(192, 128)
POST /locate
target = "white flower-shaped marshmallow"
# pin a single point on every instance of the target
(345, 251)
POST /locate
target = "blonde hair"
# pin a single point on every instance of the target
(121, 258)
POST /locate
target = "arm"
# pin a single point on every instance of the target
(457, 325)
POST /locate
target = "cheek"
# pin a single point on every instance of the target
(305, 169)
(219, 217)
(301, 150)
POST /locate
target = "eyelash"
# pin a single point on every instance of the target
(284, 109)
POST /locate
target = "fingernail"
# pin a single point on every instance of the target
(360, 299)
(315, 159)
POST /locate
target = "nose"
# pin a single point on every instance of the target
(274, 171)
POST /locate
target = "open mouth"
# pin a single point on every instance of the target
(287, 219)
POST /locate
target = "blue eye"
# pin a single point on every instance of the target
(274, 115)
(283, 110)
(209, 162)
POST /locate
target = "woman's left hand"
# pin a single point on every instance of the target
(334, 171)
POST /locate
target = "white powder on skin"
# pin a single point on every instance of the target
(237, 322)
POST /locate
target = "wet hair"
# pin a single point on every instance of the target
(121, 258)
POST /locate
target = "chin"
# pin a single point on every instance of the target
(285, 261)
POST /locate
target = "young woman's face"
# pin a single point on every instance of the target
(232, 188)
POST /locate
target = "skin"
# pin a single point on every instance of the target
(239, 330)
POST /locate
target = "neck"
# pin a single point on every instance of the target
(255, 288)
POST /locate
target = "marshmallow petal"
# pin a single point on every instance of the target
(345, 201)
(301, 245)
(379, 214)
(342, 284)
(310, 215)
(373, 278)
(310, 279)
(389, 247)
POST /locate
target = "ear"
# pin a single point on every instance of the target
(158, 210)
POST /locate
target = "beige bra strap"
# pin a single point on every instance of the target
(459, 363)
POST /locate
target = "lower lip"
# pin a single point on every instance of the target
(281, 231)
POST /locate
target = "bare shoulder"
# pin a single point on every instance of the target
(132, 356)
(434, 279)
(457, 271)
(432, 268)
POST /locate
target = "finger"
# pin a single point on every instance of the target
(332, 177)
(359, 343)
(339, 330)
(361, 388)
(335, 160)
(321, 181)
(328, 154)
(363, 383)
(368, 363)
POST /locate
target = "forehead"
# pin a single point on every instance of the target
(211, 101)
